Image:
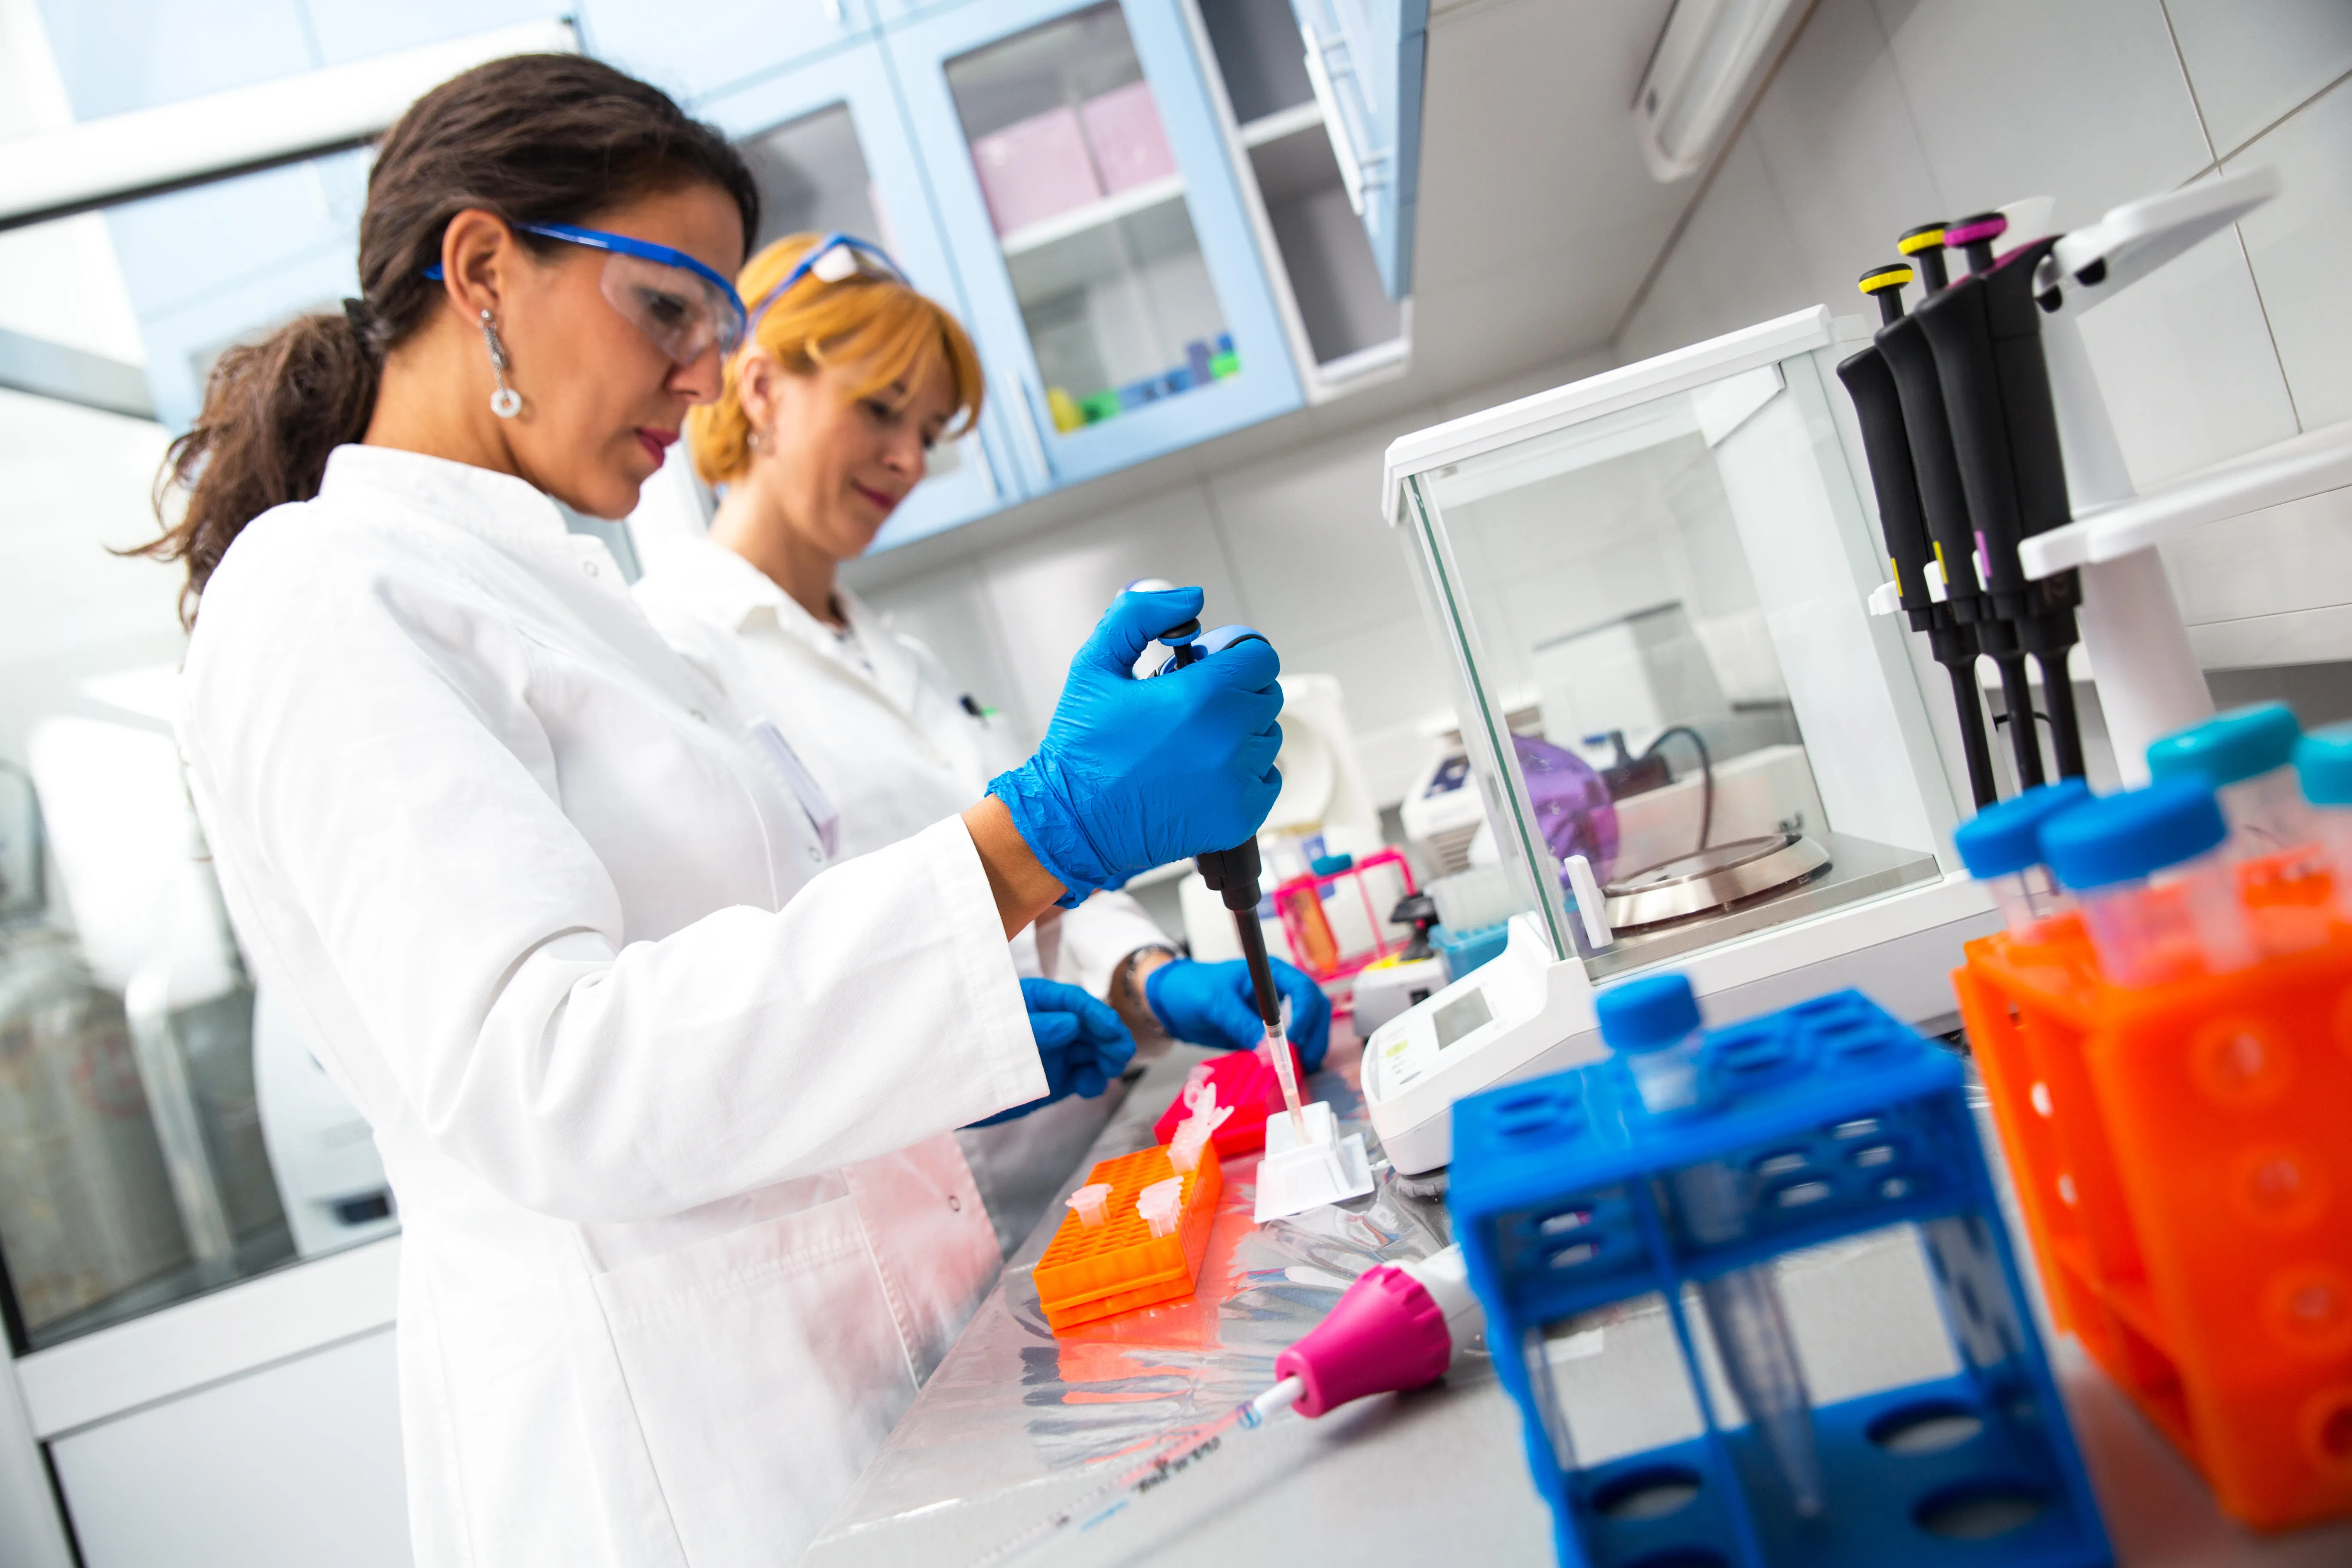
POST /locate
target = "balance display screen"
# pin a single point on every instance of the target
(1461, 1016)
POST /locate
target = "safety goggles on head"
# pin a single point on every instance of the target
(836, 256)
(682, 307)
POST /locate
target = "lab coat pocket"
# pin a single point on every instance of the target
(765, 1367)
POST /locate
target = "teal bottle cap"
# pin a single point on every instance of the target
(2242, 743)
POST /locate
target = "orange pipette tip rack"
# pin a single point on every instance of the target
(1087, 1275)
(2181, 1160)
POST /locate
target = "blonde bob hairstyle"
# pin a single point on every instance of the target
(884, 333)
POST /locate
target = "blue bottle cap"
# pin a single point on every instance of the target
(2240, 744)
(2323, 760)
(1330, 865)
(2007, 837)
(2121, 838)
(1648, 1014)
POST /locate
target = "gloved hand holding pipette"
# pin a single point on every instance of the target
(1215, 1005)
(1080, 1041)
(1135, 774)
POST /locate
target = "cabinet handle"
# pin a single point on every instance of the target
(987, 465)
(1030, 398)
(1319, 74)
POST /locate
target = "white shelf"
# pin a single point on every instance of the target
(1094, 214)
(287, 1312)
(1282, 122)
(2300, 466)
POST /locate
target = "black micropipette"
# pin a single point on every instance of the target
(1894, 480)
(1986, 333)
(1928, 431)
(1232, 875)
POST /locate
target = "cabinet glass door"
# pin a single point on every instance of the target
(830, 152)
(1101, 233)
(712, 45)
(1365, 58)
(164, 1130)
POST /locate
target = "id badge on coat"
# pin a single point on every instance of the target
(822, 814)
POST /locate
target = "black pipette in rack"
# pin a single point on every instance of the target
(1951, 536)
(1985, 333)
(1894, 480)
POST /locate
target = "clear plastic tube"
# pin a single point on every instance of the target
(1751, 1333)
(1760, 1357)
(1193, 1134)
(1161, 1204)
(1667, 1077)
(2184, 920)
(2027, 899)
(2333, 825)
(2266, 813)
(1091, 1204)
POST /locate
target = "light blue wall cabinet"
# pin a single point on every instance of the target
(1365, 58)
(349, 30)
(695, 50)
(1055, 171)
(225, 263)
(831, 152)
(1091, 208)
(120, 55)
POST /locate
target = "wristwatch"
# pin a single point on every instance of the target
(1126, 995)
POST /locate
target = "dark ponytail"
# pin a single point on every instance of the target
(534, 138)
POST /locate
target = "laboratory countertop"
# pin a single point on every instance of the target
(1005, 1430)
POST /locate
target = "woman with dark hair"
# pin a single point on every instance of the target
(665, 1110)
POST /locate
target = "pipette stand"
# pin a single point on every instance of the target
(2182, 1164)
(1836, 1121)
(1294, 1177)
(2146, 672)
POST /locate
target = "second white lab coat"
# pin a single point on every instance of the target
(895, 745)
(664, 1108)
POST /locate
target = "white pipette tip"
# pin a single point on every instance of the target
(1277, 1053)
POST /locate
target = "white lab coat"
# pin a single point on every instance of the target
(887, 735)
(684, 1230)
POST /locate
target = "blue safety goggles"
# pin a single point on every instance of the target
(831, 259)
(682, 305)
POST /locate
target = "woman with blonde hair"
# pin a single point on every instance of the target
(848, 377)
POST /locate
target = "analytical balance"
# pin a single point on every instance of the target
(1676, 556)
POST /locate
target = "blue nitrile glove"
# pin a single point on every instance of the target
(1215, 1004)
(1080, 1040)
(1135, 774)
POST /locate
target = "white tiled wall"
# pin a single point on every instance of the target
(1887, 113)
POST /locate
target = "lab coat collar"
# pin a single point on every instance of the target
(502, 509)
(730, 591)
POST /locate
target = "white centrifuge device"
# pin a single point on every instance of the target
(1735, 773)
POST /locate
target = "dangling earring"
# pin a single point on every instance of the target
(506, 402)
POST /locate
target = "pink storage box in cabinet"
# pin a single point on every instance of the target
(1034, 169)
(1131, 146)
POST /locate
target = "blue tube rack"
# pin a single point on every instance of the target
(1837, 1121)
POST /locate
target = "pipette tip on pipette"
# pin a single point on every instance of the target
(1277, 1055)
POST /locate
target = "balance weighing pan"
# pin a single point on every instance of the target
(1712, 878)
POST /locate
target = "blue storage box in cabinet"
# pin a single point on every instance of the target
(1826, 1135)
